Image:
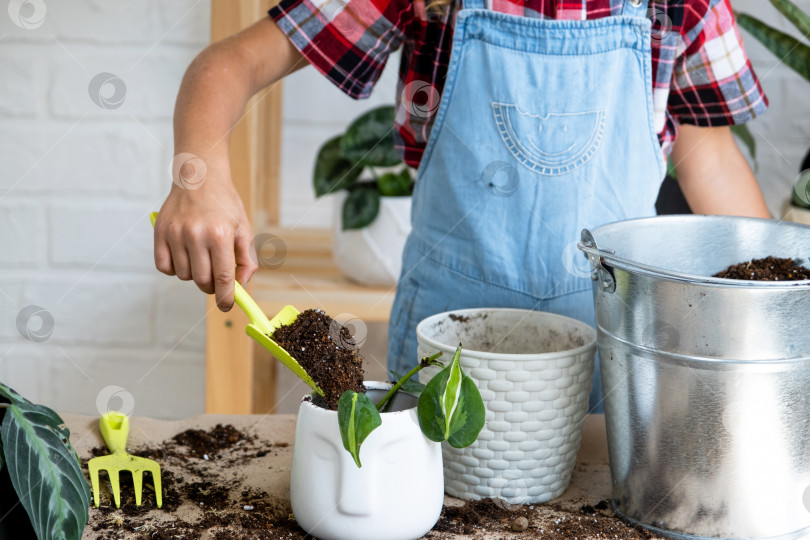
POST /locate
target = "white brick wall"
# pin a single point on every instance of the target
(78, 180)
(76, 186)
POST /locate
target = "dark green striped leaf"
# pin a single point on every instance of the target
(44, 469)
(787, 49)
(795, 15)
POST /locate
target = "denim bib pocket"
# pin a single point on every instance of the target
(551, 144)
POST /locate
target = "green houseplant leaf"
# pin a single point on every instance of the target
(409, 385)
(795, 15)
(395, 184)
(450, 408)
(801, 190)
(357, 418)
(333, 172)
(788, 49)
(44, 469)
(370, 139)
(360, 208)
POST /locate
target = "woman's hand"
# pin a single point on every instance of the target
(202, 231)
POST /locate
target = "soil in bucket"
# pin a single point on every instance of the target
(326, 350)
(767, 269)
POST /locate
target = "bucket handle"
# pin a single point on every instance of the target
(604, 275)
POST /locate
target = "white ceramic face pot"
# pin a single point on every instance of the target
(396, 495)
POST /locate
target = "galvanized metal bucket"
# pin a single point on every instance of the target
(706, 380)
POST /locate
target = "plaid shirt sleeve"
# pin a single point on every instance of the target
(713, 83)
(347, 40)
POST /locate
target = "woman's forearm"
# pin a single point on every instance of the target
(220, 81)
(203, 232)
(713, 174)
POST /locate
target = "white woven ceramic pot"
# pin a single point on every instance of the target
(396, 495)
(373, 255)
(534, 372)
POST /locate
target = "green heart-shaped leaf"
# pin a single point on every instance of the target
(450, 407)
(333, 172)
(395, 184)
(370, 139)
(44, 469)
(360, 208)
(357, 418)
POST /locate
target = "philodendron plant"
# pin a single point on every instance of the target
(793, 53)
(367, 145)
(44, 469)
(450, 407)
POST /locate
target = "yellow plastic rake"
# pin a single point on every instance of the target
(261, 328)
(114, 427)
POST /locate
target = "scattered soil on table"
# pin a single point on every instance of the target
(202, 493)
(549, 522)
(326, 350)
(767, 269)
(204, 498)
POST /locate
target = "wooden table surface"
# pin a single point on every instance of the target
(590, 482)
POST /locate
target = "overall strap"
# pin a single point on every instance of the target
(474, 4)
(635, 8)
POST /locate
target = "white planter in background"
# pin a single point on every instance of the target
(373, 255)
(396, 495)
(533, 370)
(796, 214)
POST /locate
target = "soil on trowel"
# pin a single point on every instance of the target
(767, 269)
(326, 350)
(494, 519)
(203, 494)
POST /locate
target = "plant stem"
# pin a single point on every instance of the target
(426, 361)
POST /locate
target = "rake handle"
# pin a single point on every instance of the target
(114, 427)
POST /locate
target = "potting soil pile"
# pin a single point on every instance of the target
(326, 350)
(228, 477)
(767, 269)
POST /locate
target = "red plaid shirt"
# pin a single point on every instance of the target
(701, 74)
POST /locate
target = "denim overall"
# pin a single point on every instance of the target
(545, 127)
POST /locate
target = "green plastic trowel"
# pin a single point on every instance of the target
(261, 328)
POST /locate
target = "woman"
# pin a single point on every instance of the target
(529, 120)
